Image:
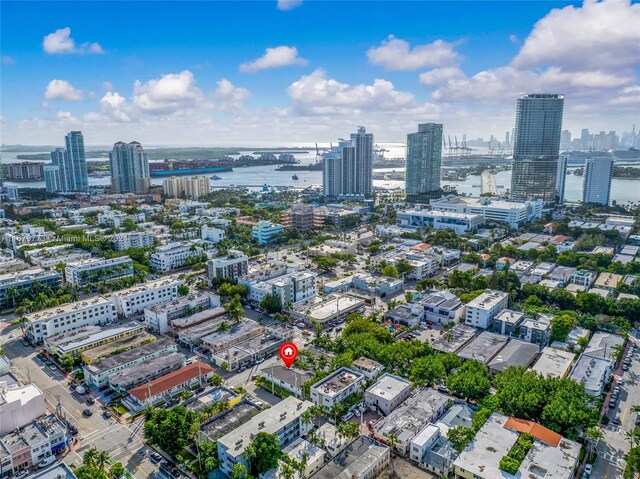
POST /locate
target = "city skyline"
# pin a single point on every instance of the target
(279, 85)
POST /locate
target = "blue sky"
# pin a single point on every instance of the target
(268, 72)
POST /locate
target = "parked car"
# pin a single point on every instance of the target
(616, 420)
(87, 412)
(72, 429)
(106, 414)
(587, 469)
(155, 458)
(80, 389)
(90, 401)
(47, 461)
(22, 473)
(52, 367)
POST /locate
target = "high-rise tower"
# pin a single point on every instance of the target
(75, 170)
(424, 162)
(129, 168)
(536, 147)
(596, 184)
(348, 168)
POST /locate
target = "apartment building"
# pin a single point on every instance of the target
(387, 393)
(234, 265)
(134, 300)
(145, 371)
(537, 331)
(481, 310)
(583, 278)
(336, 387)
(19, 405)
(212, 234)
(95, 270)
(282, 419)
(78, 340)
(159, 318)
(443, 308)
(266, 232)
(173, 255)
(290, 288)
(438, 220)
(68, 317)
(135, 239)
(11, 284)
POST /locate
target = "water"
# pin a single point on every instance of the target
(622, 190)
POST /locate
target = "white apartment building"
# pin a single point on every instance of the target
(134, 300)
(234, 265)
(387, 393)
(482, 310)
(135, 239)
(19, 405)
(290, 288)
(438, 220)
(515, 213)
(282, 419)
(95, 270)
(209, 233)
(158, 318)
(67, 317)
(443, 308)
(187, 187)
(173, 255)
(337, 387)
(97, 373)
(115, 219)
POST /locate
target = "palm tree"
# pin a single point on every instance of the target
(89, 457)
(635, 408)
(286, 472)
(633, 436)
(13, 293)
(102, 460)
(593, 435)
(392, 442)
(307, 417)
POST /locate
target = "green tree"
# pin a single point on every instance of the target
(263, 452)
(390, 271)
(234, 309)
(561, 325)
(117, 470)
(460, 436)
(427, 370)
(239, 471)
(470, 381)
(271, 303)
(404, 267)
(170, 429)
(183, 290)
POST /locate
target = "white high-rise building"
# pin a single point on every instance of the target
(187, 187)
(347, 168)
(52, 179)
(596, 185)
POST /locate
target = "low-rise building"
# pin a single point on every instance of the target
(387, 393)
(19, 405)
(481, 310)
(252, 350)
(326, 309)
(168, 386)
(593, 372)
(236, 333)
(97, 373)
(537, 331)
(290, 288)
(507, 322)
(405, 422)
(608, 281)
(282, 419)
(454, 339)
(145, 371)
(134, 300)
(12, 284)
(364, 458)
(443, 308)
(233, 266)
(336, 387)
(127, 343)
(554, 362)
(78, 340)
(584, 278)
(380, 286)
(68, 317)
(95, 270)
(173, 255)
(134, 239)
(438, 220)
(368, 367)
(604, 344)
(160, 317)
(289, 379)
(550, 456)
(266, 232)
(484, 347)
(514, 213)
(515, 353)
(211, 234)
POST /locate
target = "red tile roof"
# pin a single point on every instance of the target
(558, 239)
(421, 247)
(171, 380)
(534, 429)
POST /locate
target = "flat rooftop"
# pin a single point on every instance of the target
(328, 307)
(125, 344)
(112, 362)
(515, 353)
(229, 420)
(389, 386)
(158, 283)
(151, 368)
(509, 316)
(293, 377)
(484, 347)
(590, 371)
(603, 344)
(26, 275)
(100, 262)
(337, 382)
(454, 339)
(487, 300)
(68, 308)
(59, 471)
(73, 344)
(271, 420)
(198, 318)
(211, 397)
(181, 302)
(220, 338)
(354, 460)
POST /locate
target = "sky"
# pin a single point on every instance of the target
(292, 71)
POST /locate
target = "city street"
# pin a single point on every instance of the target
(614, 445)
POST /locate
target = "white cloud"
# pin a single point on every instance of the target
(317, 94)
(62, 90)
(440, 75)
(276, 57)
(598, 35)
(397, 54)
(60, 42)
(288, 4)
(107, 86)
(230, 97)
(169, 93)
(629, 96)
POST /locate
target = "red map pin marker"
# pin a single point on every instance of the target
(288, 353)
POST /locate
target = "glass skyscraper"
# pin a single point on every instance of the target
(129, 168)
(75, 170)
(536, 147)
(596, 182)
(347, 170)
(424, 162)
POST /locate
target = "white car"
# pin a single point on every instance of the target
(47, 461)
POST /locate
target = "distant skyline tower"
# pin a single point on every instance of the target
(59, 160)
(347, 169)
(75, 170)
(561, 178)
(129, 168)
(536, 146)
(52, 178)
(596, 182)
(424, 162)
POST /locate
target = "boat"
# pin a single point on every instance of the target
(294, 177)
(215, 177)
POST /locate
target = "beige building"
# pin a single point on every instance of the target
(193, 187)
